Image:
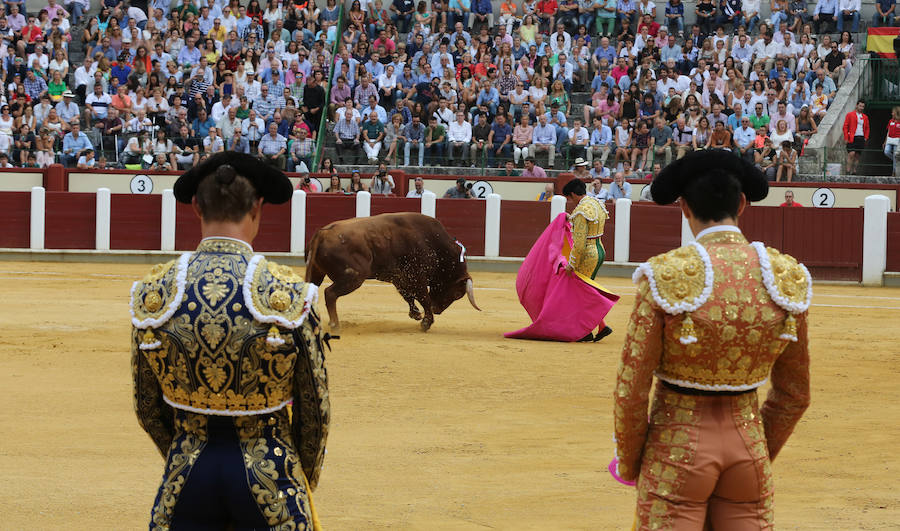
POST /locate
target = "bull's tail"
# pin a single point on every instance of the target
(314, 272)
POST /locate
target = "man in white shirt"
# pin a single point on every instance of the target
(459, 135)
(848, 10)
(348, 108)
(220, 108)
(578, 140)
(561, 30)
(83, 76)
(443, 114)
(418, 190)
(751, 14)
(790, 51)
(765, 50)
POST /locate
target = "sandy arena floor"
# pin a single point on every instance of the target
(454, 429)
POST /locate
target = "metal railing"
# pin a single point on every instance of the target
(323, 123)
(880, 83)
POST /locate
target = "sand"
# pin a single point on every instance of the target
(456, 428)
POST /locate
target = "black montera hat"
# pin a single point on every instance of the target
(672, 180)
(271, 183)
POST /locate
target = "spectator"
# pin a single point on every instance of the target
(578, 140)
(373, 134)
(480, 144)
(238, 143)
(856, 135)
(272, 147)
(619, 188)
(825, 13)
(435, 141)
(787, 161)
(600, 142)
(533, 170)
(414, 136)
(884, 13)
(382, 182)
(789, 199)
(418, 188)
(597, 191)
(302, 150)
(459, 136)
(500, 139)
(547, 194)
(661, 140)
(74, 143)
(743, 139)
(522, 139)
(849, 11)
(460, 191)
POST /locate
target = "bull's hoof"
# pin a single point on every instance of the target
(415, 314)
(426, 324)
(335, 328)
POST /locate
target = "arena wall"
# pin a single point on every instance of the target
(852, 244)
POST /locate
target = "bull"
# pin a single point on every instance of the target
(411, 251)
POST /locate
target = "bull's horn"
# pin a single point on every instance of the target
(470, 291)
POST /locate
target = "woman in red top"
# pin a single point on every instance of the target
(893, 138)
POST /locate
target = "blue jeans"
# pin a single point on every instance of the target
(505, 153)
(751, 23)
(737, 21)
(76, 10)
(676, 24)
(562, 136)
(407, 146)
(406, 19)
(854, 17)
(778, 17)
(879, 21)
(585, 19)
(437, 153)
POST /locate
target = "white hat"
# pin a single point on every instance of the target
(581, 162)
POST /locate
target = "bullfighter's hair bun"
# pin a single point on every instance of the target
(270, 183)
(674, 178)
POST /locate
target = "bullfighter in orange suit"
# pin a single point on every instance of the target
(713, 321)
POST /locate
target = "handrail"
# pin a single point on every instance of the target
(320, 137)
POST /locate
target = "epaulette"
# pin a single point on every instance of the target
(156, 297)
(681, 281)
(788, 282)
(277, 295)
(590, 209)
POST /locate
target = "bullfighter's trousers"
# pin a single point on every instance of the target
(705, 461)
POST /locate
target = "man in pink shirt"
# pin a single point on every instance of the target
(533, 170)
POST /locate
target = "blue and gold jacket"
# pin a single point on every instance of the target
(222, 331)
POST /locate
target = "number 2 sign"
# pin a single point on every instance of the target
(823, 198)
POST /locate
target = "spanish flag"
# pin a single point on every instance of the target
(881, 41)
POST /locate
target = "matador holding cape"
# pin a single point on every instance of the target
(713, 321)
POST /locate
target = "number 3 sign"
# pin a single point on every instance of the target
(141, 184)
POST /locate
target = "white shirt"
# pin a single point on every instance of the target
(859, 125)
(82, 76)
(767, 51)
(848, 5)
(457, 132)
(339, 113)
(578, 138)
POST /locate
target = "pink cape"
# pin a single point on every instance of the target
(562, 307)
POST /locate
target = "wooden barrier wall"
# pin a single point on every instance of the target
(70, 221)
(654, 229)
(464, 221)
(15, 219)
(893, 241)
(828, 241)
(134, 222)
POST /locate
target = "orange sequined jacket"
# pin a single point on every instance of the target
(721, 315)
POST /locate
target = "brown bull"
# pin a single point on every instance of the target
(411, 251)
